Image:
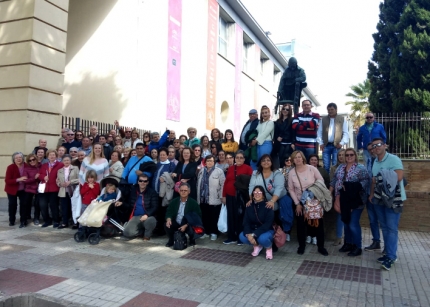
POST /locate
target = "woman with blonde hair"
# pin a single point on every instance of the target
(263, 141)
(135, 138)
(95, 161)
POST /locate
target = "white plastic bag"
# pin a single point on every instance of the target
(222, 221)
(76, 201)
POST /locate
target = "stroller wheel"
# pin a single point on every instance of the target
(79, 236)
(94, 239)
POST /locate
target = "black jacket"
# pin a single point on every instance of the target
(284, 130)
(189, 173)
(254, 125)
(150, 200)
(260, 225)
(107, 150)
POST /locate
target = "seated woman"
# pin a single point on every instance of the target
(257, 224)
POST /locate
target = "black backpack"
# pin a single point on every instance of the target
(179, 241)
(109, 230)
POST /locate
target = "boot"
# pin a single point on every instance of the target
(355, 251)
(376, 245)
(346, 248)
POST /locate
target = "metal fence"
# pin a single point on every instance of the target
(408, 134)
(84, 125)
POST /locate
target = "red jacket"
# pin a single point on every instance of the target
(88, 194)
(31, 183)
(229, 188)
(51, 185)
(12, 174)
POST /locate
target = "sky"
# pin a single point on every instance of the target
(333, 38)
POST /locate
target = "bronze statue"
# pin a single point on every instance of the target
(291, 85)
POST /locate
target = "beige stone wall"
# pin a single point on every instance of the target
(32, 59)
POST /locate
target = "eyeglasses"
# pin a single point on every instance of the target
(171, 151)
(285, 109)
(240, 158)
(231, 157)
(176, 142)
(349, 155)
(70, 134)
(192, 132)
(78, 134)
(197, 150)
(145, 181)
(213, 147)
(183, 191)
(71, 151)
(369, 117)
(266, 160)
(377, 145)
(32, 160)
(146, 136)
(257, 192)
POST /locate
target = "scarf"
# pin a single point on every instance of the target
(341, 177)
(204, 187)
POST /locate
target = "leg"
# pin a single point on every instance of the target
(339, 226)
(355, 227)
(392, 230)
(231, 217)
(149, 226)
(373, 221)
(320, 233)
(133, 227)
(244, 239)
(266, 239)
(171, 231)
(367, 160)
(348, 234)
(37, 207)
(301, 231)
(29, 201)
(23, 208)
(53, 204)
(205, 216)
(326, 155)
(64, 201)
(13, 205)
(214, 211)
(44, 209)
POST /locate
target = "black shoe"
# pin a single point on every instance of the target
(22, 225)
(55, 225)
(169, 244)
(301, 250)
(374, 246)
(11, 223)
(46, 225)
(323, 251)
(63, 226)
(346, 248)
(355, 252)
(75, 226)
(36, 222)
(192, 242)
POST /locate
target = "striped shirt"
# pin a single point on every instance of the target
(305, 127)
(100, 166)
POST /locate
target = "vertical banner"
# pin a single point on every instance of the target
(211, 60)
(238, 79)
(257, 78)
(173, 111)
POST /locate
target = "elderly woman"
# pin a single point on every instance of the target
(67, 181)
(95, 161)
(266, 129)
(135, 138)
(257, 223)
(73, 151)
(14, 187)
(354, 179)
(299, 179)
(49, 198)
(81, 157)
(185, 171)
(229, 145)
(210, 183)
(233, 203)
(339, 224)
(31, 171)
(115, 165)
(192, 137)
(222, 161)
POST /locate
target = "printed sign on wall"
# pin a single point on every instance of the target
(238, 80)
(211, 60)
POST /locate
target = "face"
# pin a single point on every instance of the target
(118, 148)
(288, 162)
(240, 159)
(70, 136)
(97, 149)
(126, 153)
(110, 138)
(341, 157)
(143, 182)
(258, 194)
(266, 114)
(306, 106)
(378, 148)
(61, 151)
(182, 139)
(215, 134)
(81, 156)
(229, 158)
(313, 161)
(40, 154)
(79, 135)
(66, 161)
(172, 135)
(73, 153)
(134, 135)
(18, 159)
(370, 118)
(113, 133)
(197, 152)
(331, 111)
(181, 147)
(52, 156)
(111, 190)
(213, 149)
(118, 141)
(228, 136)
(286, 109)
(91, 180)
(186, 154)
(140, 150)
(133, 153)
(184, 191)
(176, 144)
(253, 116)
(102, 140)
(64, 133)
(349, 157)
(43, 143)
(171, 155)
(128, 133)
(86, 142)
(210, 162)
(155, 137)
(191, 133)
(94, 130)
(114, 156)
(298, 160)
(205, 142)
(266, 163)
(154, 154)
(146, 137)
(32, 161)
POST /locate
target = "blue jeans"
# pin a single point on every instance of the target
(265, 148)
(339, 226)
(373, 221)
(329, 156)
(389, 222)
(307, 151)
(367, 160)
(265, 239)
(353, 229)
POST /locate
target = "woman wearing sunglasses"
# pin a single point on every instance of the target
(31, 171)
(284, 134)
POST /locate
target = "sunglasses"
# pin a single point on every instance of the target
(257, 192)
(349, 155)
(285, 109)
(146, 136)
(71, 134)
(369, 117)
(32, 160)
(145, 181)
(197, 150)
(240, 158)
(171, 152)
(377, 145)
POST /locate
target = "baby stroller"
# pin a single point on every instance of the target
(97, 214)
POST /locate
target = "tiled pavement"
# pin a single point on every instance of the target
(135, 273)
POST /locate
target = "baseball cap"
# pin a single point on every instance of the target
(253, 111)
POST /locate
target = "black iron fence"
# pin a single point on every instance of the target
(408, 134)
(84, 125)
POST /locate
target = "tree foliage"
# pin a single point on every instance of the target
(399, 71)
(360, 103)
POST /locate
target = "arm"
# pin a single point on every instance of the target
(316, 173)
(319, 135)
(359, 139)
(96, 189)
(345, 133)
(163, 138)
(383, 134)
(117, 169)
(84, 189)
(266, 132)
(292, 191)
(302, 76)
(10, 179)
(153, 200)
(74, 176)
(190, 171)
(106, 168)
(267, 224)
(278, 180)
(235, 146)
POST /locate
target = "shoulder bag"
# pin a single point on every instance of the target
(313, 210)
(279, 236)
(124, 185)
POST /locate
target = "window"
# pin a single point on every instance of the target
(247, 53)
(263, 60)
(223, 37)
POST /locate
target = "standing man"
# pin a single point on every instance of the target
(250, 125)
(157, 142)
(367, 133)
(107, 149)
(70, 141)
(332, 135)
(125, 134)
(42, 145)
(388, 207)
(86, 146)
(171, 138)
(94, 132)
(63, 137)
(305, 126)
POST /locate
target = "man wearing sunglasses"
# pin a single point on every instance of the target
(367, 133)
(125, 134)
(388, 207)
(70, 141)
(144, 203)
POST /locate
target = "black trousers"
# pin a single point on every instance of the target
(284, 151)
(66, 206)
(13, 207)
(161, 217)
(32, 199)
(174, 227)
(49, 200)
(302, 226)
(234, 219)
(210, 216)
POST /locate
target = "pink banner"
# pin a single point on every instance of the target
(211, 63)
(238, 80)
(174, 61)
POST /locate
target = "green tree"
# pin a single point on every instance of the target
(360, 103)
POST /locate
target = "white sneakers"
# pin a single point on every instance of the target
(314, 240)
(309, 239)
(214, 237)
(287, 238)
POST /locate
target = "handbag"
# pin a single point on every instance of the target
(279, 236)
(124, 185)
(41, 187)
(178, 184)
(313, 211)
(222, 220)
(179, 240)
(76, 201)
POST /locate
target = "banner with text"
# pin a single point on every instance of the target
(238, 79)
(211, 66)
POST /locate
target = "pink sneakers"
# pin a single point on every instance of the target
(257, 250)
(269, 255)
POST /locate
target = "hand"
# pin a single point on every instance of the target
(37, 176)
(299, 210)
(46, 178)
(322, 147)
(138, 173)
(66, 184)
(370, 198)
(336, 204)
(270, 204)
(183, 227)
(110, 169)
(118, 203)
(251, 239)
(23, 178)
(184, 180)
(223, 200)
(279, 139)
(248, 203)
(168, 223)
(162, 179)
(293, 146)
(143, 218)
(253, 142)
(338, 146)
(174, 175)
(116, 123)
(91, 185)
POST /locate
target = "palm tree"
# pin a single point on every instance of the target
(360, 103)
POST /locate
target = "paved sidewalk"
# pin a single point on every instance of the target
(135, 273)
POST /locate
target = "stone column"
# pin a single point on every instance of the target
(32, 60)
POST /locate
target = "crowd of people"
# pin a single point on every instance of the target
(268, 175)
